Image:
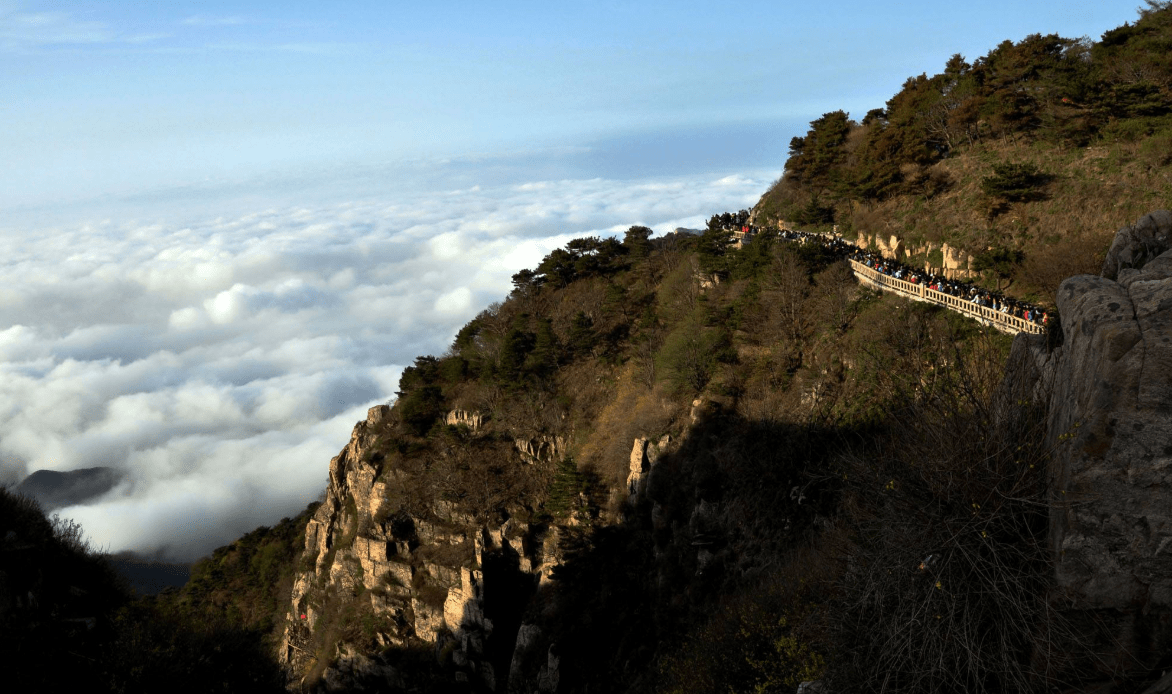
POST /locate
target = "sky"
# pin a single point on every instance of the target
(225, 226)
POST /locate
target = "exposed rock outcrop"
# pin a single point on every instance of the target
(472, 420)
(1108, 392)
(420, 577)
(954, 262)
(644, 454)
(1137, 244)
(542, 448)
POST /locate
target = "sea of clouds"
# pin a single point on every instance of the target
(221, 363)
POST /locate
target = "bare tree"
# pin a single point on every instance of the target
(788, 285)
(837, 287)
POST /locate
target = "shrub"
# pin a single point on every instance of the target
(814, 213)
(420, 408)
(948, 557)
(1001, 261)
(750, 649)
(690, 354)
(1016, 182)
(582, 336)
(567, 483)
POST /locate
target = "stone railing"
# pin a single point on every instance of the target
(1001, 321)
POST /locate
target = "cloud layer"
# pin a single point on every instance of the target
(222, 364)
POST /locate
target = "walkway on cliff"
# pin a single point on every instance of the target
(1003, 321)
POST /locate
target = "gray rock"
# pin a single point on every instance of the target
(353, 670)
(528, 637)
(1108, 391)
(1109, 423)
(550, 675)
(377, 414)
(1137, 244)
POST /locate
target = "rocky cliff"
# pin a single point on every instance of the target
(413, 575)
(534, 517)
(1106, 382)
(430, 595)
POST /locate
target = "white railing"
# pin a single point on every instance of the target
(1002, 321)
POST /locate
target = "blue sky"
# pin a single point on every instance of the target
(226, 226)
(107, 98)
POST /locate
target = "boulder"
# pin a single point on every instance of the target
(377, 415)
(1110, 421)
(1108, 391)
(1162, 685)
(1136, 244)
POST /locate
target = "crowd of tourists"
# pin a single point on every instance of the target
(961, 290)
(965, 291)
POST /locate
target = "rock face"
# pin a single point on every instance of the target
(1139, 243)
(644, 453)
(541, 448)
(1108, 391)
(472, 420)
(421, 578)
(955, 262)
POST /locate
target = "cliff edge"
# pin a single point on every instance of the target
(1106, 381)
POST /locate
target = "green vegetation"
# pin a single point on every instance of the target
(568, 488)
(840, 498)
(1015, 182)
(819, 388)
(1039, 147)
(247, 582)
(82, 629)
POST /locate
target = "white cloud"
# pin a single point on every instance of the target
(41, 28)
(457, 301)
(222, 364)
(23, 30)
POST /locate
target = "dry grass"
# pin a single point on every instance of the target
(631, 410)
(944, 538)
(1095, 191)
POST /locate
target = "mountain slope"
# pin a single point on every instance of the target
(1017, 163)
(628, 477)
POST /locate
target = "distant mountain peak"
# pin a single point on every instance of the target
(55, 489)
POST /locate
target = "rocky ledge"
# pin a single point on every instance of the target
(422, 574)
